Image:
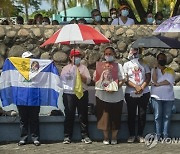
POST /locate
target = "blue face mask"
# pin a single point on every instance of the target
(109, 58)
(97, 18)
(150, 20)
(125, 13)
(77, 60)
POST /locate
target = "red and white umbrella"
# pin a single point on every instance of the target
(76, 34)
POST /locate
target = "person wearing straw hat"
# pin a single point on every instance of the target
(123, 19)
(75, 78)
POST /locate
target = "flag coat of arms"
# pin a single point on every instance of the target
(29, 82)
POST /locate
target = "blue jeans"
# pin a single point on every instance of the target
(162, 115)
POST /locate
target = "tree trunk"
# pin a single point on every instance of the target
(150, 6)
(110, 4)
(97, 4)
(140, 10)
(176, 8)
(65, 13)
(26, 11)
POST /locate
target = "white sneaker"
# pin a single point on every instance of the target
(113, 142)
(106, 142)
(131, 139)
(140, 139)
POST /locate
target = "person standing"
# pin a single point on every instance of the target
(136, 93)
(162, 95)
(109, 103)
(70, 99)
(123, 19)
(29, 118)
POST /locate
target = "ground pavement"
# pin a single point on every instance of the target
(94, 148)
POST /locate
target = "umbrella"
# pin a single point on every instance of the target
(170, 25)
(157, 42)
(76, 34)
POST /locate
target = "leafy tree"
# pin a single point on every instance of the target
(29, 3)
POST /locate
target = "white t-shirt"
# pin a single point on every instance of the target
(118, 21)
(112, 97)
(136, 73)
(164, 92)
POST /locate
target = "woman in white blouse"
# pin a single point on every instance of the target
(162, 95)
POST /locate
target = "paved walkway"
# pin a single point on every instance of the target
(94, 148)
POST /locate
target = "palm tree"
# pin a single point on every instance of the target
(54, 4)
(6, 7)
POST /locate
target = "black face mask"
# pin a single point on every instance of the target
(162, 62)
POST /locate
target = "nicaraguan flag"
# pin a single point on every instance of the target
(29, 82)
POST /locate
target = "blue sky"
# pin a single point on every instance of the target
(44, 6)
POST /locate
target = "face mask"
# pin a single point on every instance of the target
(113, 16)
(125, 13)
(77, 60)
(158, 22)
(45, 23)
(162, 62)
(109, 58)
(150, 20)
(97, 18)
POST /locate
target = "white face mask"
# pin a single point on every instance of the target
(113, 16)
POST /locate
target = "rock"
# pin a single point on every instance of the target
(60, 57)
(1, 61)
(2, 32)
(177, 59)
(111, 28)
(108, 34)
(16, 51)
(23, 33)
(93, 57)
(177, 77)
(175, 66)
(130, 33)
(105, 27)
(11, 34)
(84, 62)
(174, 52)
(120, 31)
(59, 67)
(36, 32)
(48, 33)
(122, 46)
(66, 48)
(45, 55)
(169, 58)
(3, 49)
(37, 52)
(150, 60)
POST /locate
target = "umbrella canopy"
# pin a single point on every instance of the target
(157, 42)
(76, 34)
(170, 25)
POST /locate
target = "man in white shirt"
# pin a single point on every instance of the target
(123, 18)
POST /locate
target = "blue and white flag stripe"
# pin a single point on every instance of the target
(42, 90)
